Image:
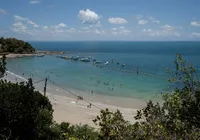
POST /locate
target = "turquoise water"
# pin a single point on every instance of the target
(149, 57)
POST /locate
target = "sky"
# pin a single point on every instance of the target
(77, 20)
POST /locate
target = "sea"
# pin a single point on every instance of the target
(127, 69)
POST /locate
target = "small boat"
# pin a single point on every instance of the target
(40, 55)
(85, 59)
(98, 62)
(62, 57)
(123, 65)
(76, 58)
(106, 63)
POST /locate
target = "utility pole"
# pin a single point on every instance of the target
(45, 87)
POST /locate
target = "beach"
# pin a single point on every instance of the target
(102, 87)
(67, 108)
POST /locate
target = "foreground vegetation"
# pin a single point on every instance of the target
(12, 45)
(27, 114)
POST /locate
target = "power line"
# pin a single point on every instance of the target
(75, 94)
(39, 81)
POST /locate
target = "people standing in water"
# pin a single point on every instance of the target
(137, 69)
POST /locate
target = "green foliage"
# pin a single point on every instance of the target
(65, 131)
(12, 45)
(2, 66)
(24, 113)
(177, 118)
(113, 126)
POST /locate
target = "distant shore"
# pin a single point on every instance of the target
(37, 53)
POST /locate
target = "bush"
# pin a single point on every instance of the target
(24, 113)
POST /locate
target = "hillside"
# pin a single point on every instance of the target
(12, 45)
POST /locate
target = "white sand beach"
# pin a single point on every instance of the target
(66, 108)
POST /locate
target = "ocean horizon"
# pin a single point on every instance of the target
(150, 58)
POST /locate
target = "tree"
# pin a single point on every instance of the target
(2, 66)
(113, 126)
(12, 45)
(177, 118)
(24, 112)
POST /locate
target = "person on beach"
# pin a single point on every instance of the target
(89, 106)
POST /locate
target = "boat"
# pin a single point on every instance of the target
(123, 65)
(76, 58)
(97, 62)
(85, 59)
(106, 63)
(40, 55)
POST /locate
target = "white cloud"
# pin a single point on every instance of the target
(96, 31)
(120, 31)
(85, 28)
(19, 27)
(33, 23)
(45, 27)
(167, 27)
(195, 23)
(61, 25)
(88, 17)
(98, 24)
(24, 19)
(122, 27)
(2, 11)
(59, 31)
(142, 22)
(195, 34)
(117, 20)
(19, 18)
(154, 20)
(34, 2)
(138, 17)
(159, 33)
(71, 30)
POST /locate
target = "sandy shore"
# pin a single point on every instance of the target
(68, 109)
(37, 53)
(12, 55)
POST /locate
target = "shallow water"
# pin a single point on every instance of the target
(148, 57)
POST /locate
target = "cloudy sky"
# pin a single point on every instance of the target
(71, 20)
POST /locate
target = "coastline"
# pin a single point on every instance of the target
(66, 108)
(37, 53)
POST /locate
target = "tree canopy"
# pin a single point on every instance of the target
(12, 45)
(24, 113)
(2, 66)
